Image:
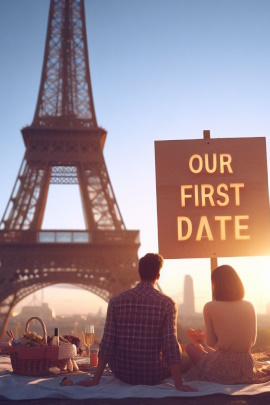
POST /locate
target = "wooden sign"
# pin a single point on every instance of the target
(212, 198)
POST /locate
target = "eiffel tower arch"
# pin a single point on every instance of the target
(64, 145)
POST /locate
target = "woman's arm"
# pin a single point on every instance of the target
(210, 337)
(254, 323)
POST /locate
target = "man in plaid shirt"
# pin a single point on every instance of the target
(140, 339)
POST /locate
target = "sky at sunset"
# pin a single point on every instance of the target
(160, 70)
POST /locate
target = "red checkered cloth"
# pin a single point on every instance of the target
(140, 338)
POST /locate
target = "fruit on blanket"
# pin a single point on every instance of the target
(70, 365)
(195, 335)
(66, 381)
(75, 365)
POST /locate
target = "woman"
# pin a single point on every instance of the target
(230, 332)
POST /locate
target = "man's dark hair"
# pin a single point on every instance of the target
(150, 265)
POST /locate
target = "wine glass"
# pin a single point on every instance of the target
(89, 337)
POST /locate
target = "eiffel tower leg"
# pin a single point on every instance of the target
(6, 308)
(26, 205)
(99, 202)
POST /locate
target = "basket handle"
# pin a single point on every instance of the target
(42, 324)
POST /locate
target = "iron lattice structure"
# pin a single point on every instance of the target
(64, 145)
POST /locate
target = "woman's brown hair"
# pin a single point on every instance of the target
(227, 285)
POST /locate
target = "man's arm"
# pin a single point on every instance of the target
(98, 374)
(171, 348)
(177, 379)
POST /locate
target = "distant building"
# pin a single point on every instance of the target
(187, 317)
(42, 311)
(187, 308)
(18, 322)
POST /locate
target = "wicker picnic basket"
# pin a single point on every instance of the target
(35, 361)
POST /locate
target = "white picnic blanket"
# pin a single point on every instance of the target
(14, 387)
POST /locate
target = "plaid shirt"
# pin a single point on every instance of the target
(140, 338)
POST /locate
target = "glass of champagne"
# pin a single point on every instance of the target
(89, 337)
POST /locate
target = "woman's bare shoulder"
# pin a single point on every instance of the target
(207, 307)
(248, 305)
(214, 305)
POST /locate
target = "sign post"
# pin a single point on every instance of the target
(214, 260)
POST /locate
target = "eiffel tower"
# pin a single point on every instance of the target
(64, 145)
